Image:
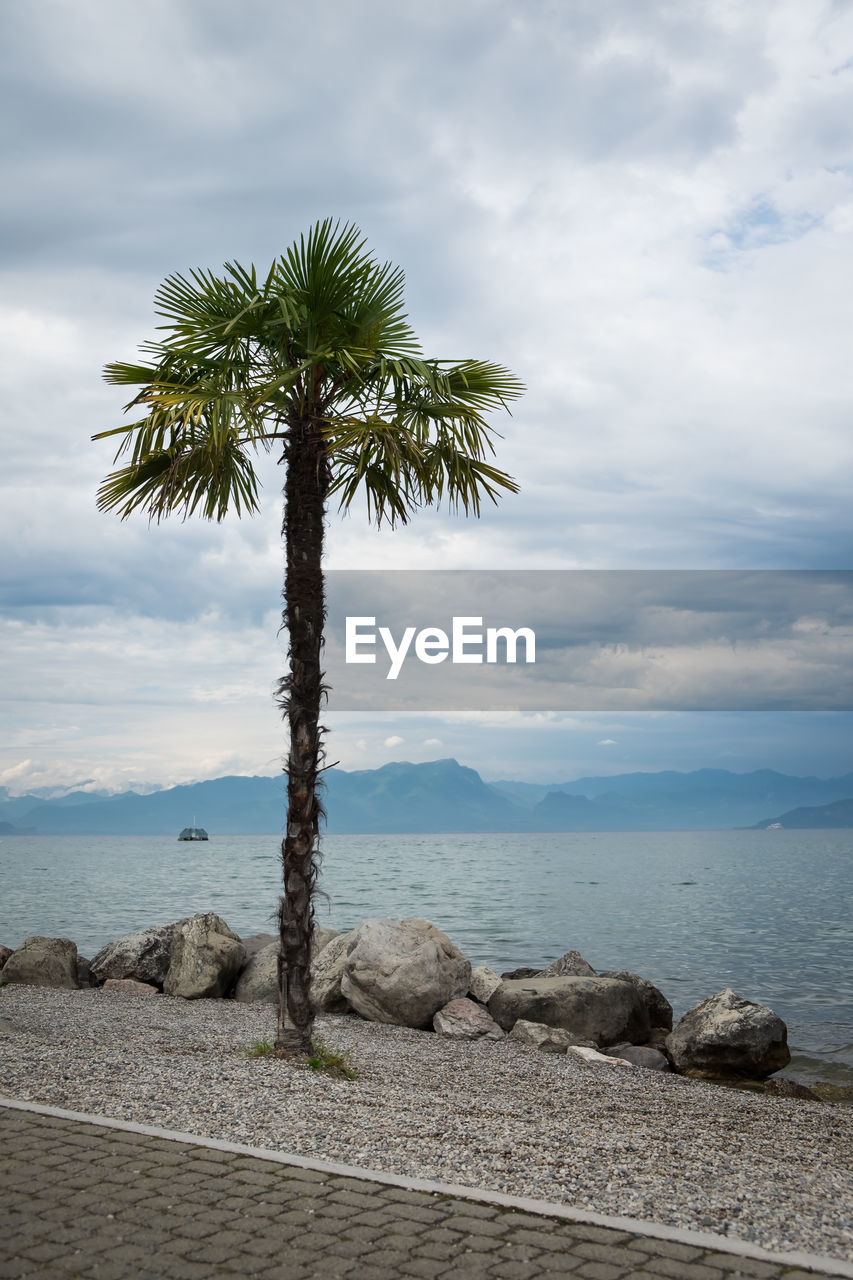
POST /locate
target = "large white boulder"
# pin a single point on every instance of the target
(602, 1010)
(327, 971)
(206, 958)
(402, 971)
(726, 1035)
(143, 956)
(259, 977)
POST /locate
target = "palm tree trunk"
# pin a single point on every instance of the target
(300, 692)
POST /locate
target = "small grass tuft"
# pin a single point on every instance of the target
(334, 1063)
(260, 1048)
(321, 1058)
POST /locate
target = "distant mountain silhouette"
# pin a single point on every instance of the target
(838, 816)
(445, 796)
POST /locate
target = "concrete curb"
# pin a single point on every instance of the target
(637, 1226)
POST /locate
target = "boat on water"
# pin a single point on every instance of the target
(193, 833)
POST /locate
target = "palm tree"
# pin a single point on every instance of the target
(316, 360)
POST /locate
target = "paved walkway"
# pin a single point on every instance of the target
(83, 1199)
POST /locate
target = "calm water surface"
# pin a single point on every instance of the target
(768, 913)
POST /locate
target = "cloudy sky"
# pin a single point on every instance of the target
(643, 207)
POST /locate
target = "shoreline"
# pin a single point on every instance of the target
(774, 1172)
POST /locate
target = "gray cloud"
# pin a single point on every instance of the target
(640, 208)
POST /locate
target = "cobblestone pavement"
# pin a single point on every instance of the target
(79, 1199)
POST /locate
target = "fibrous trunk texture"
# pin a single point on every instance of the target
(300, 693)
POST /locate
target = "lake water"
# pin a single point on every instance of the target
(767, 913)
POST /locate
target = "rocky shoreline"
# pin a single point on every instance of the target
(408, 973)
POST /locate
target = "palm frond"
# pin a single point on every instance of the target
(322, 336)
(198, 479)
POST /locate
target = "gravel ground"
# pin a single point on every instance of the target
(773, 1171)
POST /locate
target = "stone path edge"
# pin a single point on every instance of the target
(818, 1263)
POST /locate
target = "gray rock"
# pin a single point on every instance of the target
(570, 965)
(641, 1055)
(827, 1092)
(5, 952)
(593, 1058)
(84, 974)
(256, 942)
(327, 970)
(130, 987)
(143, 956)
(539, 1036)
(322, 938)
(603, 1010)
(660, 1010)
(206, 958)
(782, 1087)
(465, 1020)
(514, 974)
(726, 1035)
(402, 972)
(43, 962)
(484, 984)
(258, 979)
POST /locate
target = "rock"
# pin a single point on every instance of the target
(143, 956)
(515, 974)
(5, 952)
(130, 987)
(84, 973)
(43, 962)
(594, 1058)
(660, 1010)
(828, 1092)
(728, 1036)
(259, 978)
(539, 1036)
(465, 1020)
(641, 1055)
(657, 1038)
(402, 971)
(256, 942)
(206, 958)
(327, 970)
(484, 983)
(322, 938)
(571, 965)
(602, 1010)
(782, 1087)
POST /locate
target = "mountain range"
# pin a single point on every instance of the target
(444, 796)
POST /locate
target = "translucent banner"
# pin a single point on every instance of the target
(606, 640)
